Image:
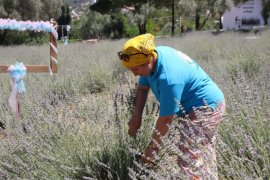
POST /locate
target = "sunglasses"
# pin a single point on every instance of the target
(125, 57)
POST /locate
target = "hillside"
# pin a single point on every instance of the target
(78, 3)
(78, 7)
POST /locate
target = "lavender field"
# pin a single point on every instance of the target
(74, 123)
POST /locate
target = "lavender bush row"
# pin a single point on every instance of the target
(74, 123)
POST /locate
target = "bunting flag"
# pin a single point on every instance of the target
(12, 24)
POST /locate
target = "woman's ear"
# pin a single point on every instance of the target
(153, 59)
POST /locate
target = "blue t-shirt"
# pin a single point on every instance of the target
(179, 79)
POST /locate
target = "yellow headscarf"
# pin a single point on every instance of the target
(140, 44)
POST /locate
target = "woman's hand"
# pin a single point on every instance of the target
(133, 125)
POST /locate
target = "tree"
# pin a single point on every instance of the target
(28, 9)
(179, 8)
(171, 4)
(92, 24)
(222, 6)
(139, 9)
(8, 8)
(205, 10)
(199, 10)
(50, 9)
(173, 16)
(114, 28)
(104, 6)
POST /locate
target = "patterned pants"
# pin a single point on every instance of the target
(197, 157)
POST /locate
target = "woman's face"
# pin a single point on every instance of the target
(145, 69)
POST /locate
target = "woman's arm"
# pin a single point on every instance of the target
(162, 127)
(135, 122)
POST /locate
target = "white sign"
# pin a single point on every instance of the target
(243, 16)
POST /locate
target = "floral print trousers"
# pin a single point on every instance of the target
(197, 156)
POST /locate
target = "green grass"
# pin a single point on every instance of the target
(75, 122)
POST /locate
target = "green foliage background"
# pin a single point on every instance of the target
(117, 19)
